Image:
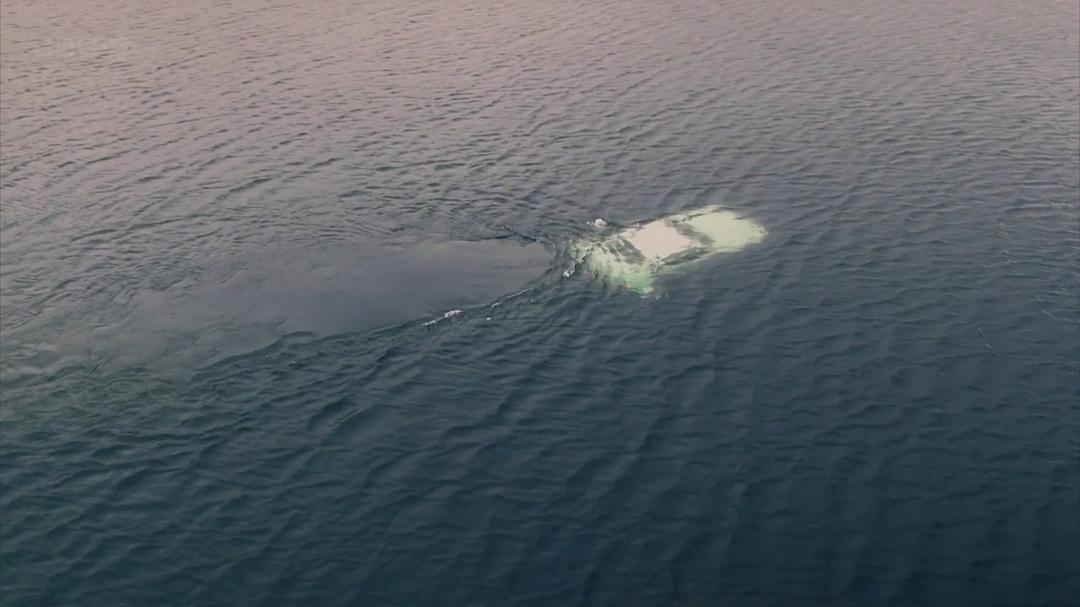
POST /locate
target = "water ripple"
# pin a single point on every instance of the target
(874, 406)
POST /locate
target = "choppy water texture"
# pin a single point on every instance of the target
(218, 226)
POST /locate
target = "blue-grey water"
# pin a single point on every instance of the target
(227, 227)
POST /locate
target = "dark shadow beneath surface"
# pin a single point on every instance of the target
(255, 301)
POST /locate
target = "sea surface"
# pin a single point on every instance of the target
(232, 233)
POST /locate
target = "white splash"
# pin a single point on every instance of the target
(448, 314)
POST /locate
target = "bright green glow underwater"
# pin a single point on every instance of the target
(636, 256)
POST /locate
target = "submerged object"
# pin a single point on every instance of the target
(636, 256)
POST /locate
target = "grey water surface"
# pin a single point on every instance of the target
(226, 228)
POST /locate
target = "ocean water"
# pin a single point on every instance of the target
(227, 229)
